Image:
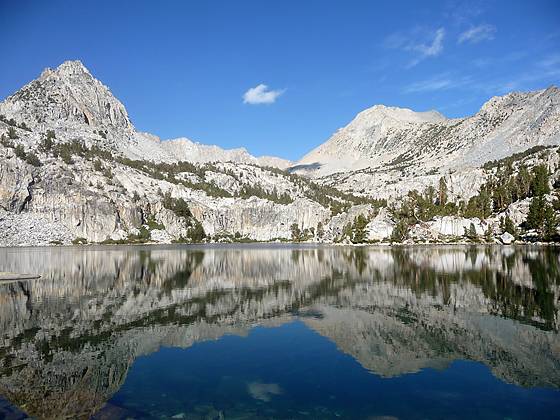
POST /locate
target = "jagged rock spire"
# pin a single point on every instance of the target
(66, 95)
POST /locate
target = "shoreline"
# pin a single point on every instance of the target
(384, 245)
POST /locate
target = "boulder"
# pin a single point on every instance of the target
(380, 227)
(507, 238)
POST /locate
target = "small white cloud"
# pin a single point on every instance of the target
(438, 83)
(550, 62)
(434, 48)
(422, 43)
(261, 94)
(478, 33)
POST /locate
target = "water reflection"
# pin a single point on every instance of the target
(69, 339)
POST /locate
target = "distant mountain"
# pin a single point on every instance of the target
(386, 138)
(186, 149)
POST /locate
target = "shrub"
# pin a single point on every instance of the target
(196, 233)
(176, 205)
(20, 151)
(66, 156)
(12, 134)
(32, 159)
(48, 142)
(400, 231)
(5, 141)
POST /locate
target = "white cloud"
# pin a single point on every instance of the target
(434, 48)
(261, 94)
(422, 43)
(437, 83)
(478, 33)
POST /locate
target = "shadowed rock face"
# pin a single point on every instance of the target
(69, 338)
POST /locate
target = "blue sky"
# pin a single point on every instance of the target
(279, 77)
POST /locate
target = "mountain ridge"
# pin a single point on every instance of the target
(375, 139)
(73, 168)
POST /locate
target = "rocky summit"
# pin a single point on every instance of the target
(74, 169)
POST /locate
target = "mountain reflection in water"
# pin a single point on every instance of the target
(69, 340)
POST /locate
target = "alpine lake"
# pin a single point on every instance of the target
(280, 332)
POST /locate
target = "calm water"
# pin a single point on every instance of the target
(284, 332)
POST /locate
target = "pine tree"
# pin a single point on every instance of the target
(320, 230)
(489, 234)
(400, 231)
(296, 232)
(471, 233)
(442, 192)
(20, 151)
(359, 229)
(550, 223)
(539, 184)
(523, 181)
(536, 212)
(509, 226)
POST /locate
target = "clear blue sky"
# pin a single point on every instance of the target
(182, 68)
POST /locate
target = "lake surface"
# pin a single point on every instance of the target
(281, 332)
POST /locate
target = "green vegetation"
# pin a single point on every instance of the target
(177, 205)
(19, 151)
(400, 231)
(471, 234)
(30, 157)
(299, 235)
(4, 141)
(13, 123)
(359, 229)
(48, 142)
(507, 225)
(153, 224)
(12, 134)
(504, 187)
(508, 161)
(417, 207)
(542, 216)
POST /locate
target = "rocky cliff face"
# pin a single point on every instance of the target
(69, 338)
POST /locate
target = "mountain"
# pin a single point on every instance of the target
(69, 99)
(187, 150)
(395, 145)
(376, 135)
(73, 168)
